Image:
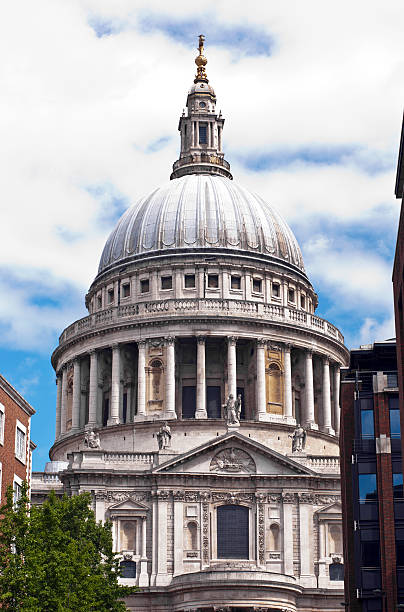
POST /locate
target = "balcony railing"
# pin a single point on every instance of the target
(201, 306)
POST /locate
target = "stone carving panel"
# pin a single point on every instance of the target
(233, 460)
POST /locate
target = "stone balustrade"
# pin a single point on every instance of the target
(127, 457)
(218, 307)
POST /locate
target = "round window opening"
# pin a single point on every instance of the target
(202, 104)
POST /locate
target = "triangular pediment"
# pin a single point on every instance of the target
(233, 453)
(330, 511)
(128, 505)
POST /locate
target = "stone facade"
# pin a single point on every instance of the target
(202, 295)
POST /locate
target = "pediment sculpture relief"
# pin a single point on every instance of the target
(233, 460)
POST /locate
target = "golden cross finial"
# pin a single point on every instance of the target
(201, 61)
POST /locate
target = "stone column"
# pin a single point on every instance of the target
(261, 387)
(162, 577)
(141, 379)
(178, 533)
(115, 385)
(287, 507)
(143, 576)
(337, 408)
(288, 413)
(327, 425)
(307, 577)
(170, 379)
(63, 410)
(58, 404)
(231, 366)
(200, 379)
(93, 390)
(76, 394)
(309, 392)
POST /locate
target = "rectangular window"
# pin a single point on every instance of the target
(99, 301)
(126, 290)
(144, 286)
(275, 290)
(17, 488)
(189, 281)
(235, 282)
(367, 487)
(203, 133)
(213, 281)
(2, 420)
(291, 295)
(370, 554)
(302, 302)
(20, 444)
(398, 486)
(392, 382)
(395, 430)
(166, 282)
(110, 296)
(257, 285)
(367, 424)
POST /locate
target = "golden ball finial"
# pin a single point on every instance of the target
(201, 61)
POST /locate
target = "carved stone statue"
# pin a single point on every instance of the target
(298, 439)
(92, 440)
(230, 412)
(164, 436)
(238, 406)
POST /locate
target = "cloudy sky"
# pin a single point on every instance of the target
(91, 92)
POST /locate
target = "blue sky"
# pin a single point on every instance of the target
(312, 94)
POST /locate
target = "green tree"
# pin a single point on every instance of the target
(57, 558)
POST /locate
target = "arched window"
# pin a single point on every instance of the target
(232, 532)
(336, 571)
(335, 539)
(128, 535)
(128, 569)
(191, 536)
(274, 537)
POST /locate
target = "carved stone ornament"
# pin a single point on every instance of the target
(178, 495)
(119, 496)
(205, 496)
(127, 556)
(261, 533)
(232, 498)
(163, 495)
(233, 460)
(288, 498)
(191, 496)
(260, 497)
(92, 440)
(327, 499)
(274, 498)
(169, 341)
(307, 498)
(205, 533)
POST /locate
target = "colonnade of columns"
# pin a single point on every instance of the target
(330, 409)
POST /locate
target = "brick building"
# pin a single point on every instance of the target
(15, 444)
(371, 480)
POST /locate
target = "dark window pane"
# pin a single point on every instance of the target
(291, 295)
(302, 301)
(367, 487)
(232, 532)
(124, 407)
(110, 295)
(166, 282)
(126, 290)
(393, 402)
(392, 381)
(257, 285)
(336, 571)
(236, 282)
(213, 402)
(400, 554)
(203, 138)
(189, 281)
(275, 290)
(128, 569)
(366, 403)
(395, 423)
(213, 281)
(144, 285)
(188, 402)
(370, 554)
(367, 424)
(398, 485)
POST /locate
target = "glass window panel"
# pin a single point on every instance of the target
(395, 430)
(366, 403)
(144, 285)
(400, 553)
(257, 285)
(166, 282)
(336, 571)
(392, 381)
(370, 554)
(128, 569)
(275, 290)
(236, 282)
(393, 402)
(367, 424)
(367, 487)
(203, 137)
(190, 281)
(398, 485)
(213, 281)
(232, 532)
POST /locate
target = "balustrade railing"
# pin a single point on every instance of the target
(221, 307)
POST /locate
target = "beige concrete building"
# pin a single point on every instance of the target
(202, 294)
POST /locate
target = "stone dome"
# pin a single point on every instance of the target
(201, 212)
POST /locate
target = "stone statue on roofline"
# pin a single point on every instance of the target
(298, 439)
(92, 439)
(164, 436)
(231, 410)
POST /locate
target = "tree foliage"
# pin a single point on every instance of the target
(57, 558)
